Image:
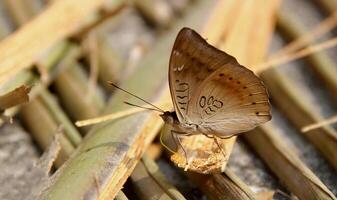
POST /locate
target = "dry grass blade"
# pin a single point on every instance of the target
(286, 165)
(323, 27)
(15, 97)
(323, 65)
(117, 115)
(319, 124)
(297, 55)
(14, 56)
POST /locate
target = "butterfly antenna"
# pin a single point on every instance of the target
(158, 109)
(131, 104)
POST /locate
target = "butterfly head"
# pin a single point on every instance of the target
(169, 117)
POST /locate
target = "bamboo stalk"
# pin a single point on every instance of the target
(320, 62)
(60, 117)
(150, 183)
(111, 150)
(226, 186)
(121, 196)
(15, 97)
(22, 10)
(293, 104)
(20, 50)
(329, 6)
(298, 178)
(158, 12)
(73, 83)
(42, 126)
(110, 63)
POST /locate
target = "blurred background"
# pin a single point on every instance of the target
(67, 50)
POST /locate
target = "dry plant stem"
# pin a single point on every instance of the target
(317, 48)
(300, 112)
(329, 5)
(319, 124)
(42, 126)
(205, 156)
(15, 97)
(111, 150)
(121, 196)
(226, 186)
(158, 12)
(73, 83)
(154, 151)
(20, 50)
(286, 165)
(22, 10)
(118, 115)
(320, 62)
(110, 62)
(60, 117)
(304, 39)
(150, 183)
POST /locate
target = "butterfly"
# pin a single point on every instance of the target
(211, 92)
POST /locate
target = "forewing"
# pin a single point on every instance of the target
(192, 61)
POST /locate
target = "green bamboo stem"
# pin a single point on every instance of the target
(60, 117)
(150, 183)
(286, 165)
(109, 61)
(73, 83)
(300, 112)
(42, 126)
(225, 186)
(111, 150)
(152, 171)
(320, 62)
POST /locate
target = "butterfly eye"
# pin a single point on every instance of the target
(257, 113)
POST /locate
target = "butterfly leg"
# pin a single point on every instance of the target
(219, 146)
(217, 143)
(176, 138)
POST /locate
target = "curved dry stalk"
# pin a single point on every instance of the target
(297, 55)
(320, 29)
(117, 115)
(319, 124)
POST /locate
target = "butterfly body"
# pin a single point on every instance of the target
(178, 127)
(211, 92)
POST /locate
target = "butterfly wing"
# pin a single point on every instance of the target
(189, 68)
(230, 101)
(211, 89)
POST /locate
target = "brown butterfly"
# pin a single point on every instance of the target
(211, 92)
